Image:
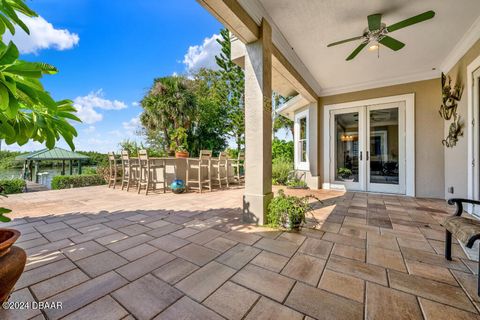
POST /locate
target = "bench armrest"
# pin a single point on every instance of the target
(459, 202)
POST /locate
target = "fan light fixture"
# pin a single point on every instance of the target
(373, 47)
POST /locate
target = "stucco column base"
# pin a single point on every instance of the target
(253, 204)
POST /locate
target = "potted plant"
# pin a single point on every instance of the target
(345, 174)
(179, 143)
(288, 211)
(12, 259)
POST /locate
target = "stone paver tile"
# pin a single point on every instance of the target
(430, 289)
(296, 237)
(343, 285)
(157, 224)
(32, 243)
(331, 227)
(187, 309)
(105, 308)
(44, 228)
(146, 297)
(111, 238)
(61, 234)
(175, 270)
(321, 304)
(93, 235)
(267, 309)
(437, 311)
(83, 250)
(312, 233)
(93, 228)
(178, 219)
(346, 240)
(137, 217)
(43, 259)
(45, 272)
(385, 303)
(169, 228)
(304, 268)
(221, 301)
(119, 223)
(130, 242)
(386, 258)
(317, 248)
(431, 258)
(139, 267)
(134, 229)
(439, 247)
(238, 256)
(358, 269)
(196, 254)
(430, 271)
(85, 293)
(205, 236)
(220, 244)
(206, 280)
(20, 296)
(265, 282)
(270, 261)
(284, 248)
(403, 234)
(353, 232)
(62, 282)
(349, 252)
(101, 263)
(243, 237)
(137, 252)
(468, 282)
(415, 244)
(382, 241)
(169, 243)
(49, 247)
(185, 232)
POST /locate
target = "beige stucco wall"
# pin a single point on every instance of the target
(429, 128)
(456, 162)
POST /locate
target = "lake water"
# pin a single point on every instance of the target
(45, 179)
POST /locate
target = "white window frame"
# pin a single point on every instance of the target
(299, 165)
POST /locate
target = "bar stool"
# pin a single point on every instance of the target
(237, 164)
(148, 172)
(202, 165)
(130, 169)
(220, 167)
(113, 169)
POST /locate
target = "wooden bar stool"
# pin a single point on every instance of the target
(113, 170)
(220, 167)
(130, 169)
(148, 172)
(237, 165)
(202, 165)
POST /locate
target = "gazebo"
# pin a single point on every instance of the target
(58, 154)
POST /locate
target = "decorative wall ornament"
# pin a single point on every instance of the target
(448, 110)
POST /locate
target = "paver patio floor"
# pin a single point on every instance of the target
(109, 254)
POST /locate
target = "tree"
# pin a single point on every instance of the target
(27, 111)
(279, 121)
(233, 95)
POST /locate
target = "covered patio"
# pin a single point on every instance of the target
(104, 254)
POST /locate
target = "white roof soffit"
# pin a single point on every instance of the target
(302, 29)
(288, 108)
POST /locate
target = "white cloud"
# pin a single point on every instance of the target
(87, 106)
(43, 35)
(90, 129)
(203, 56)
(131, 127)
(135, 104)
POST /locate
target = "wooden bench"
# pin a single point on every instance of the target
(464, 229)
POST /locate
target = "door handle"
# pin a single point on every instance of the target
(367, 156)
(361, 153)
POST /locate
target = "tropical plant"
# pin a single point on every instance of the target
(178, 140)
(297, 184)
(233, 95)
(345, 173)
(281, 169)
(27, 111)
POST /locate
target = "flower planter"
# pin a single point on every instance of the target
(181, 154)
(12, 262)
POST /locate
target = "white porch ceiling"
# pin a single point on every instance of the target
(308, 26)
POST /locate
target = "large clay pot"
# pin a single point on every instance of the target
(12, 262)
(181, 154)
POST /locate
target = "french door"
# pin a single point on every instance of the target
(367, 147)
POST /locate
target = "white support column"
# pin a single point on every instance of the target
(258, 127)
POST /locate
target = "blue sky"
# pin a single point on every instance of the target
(108, 53)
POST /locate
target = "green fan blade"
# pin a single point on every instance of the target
(374, 21)
(343, 41)
(356, 51)
(392, 43)
(408, 22)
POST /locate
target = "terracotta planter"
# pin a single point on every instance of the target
(12, 262)
(181, 154)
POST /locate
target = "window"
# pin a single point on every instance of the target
(301, 141)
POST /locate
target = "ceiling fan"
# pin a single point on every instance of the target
(377, 32)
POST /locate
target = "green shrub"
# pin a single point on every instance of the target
(280, 170)
(282, 149)
(296, 183)
(65, 182)
(11, 186)
(89, 171)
